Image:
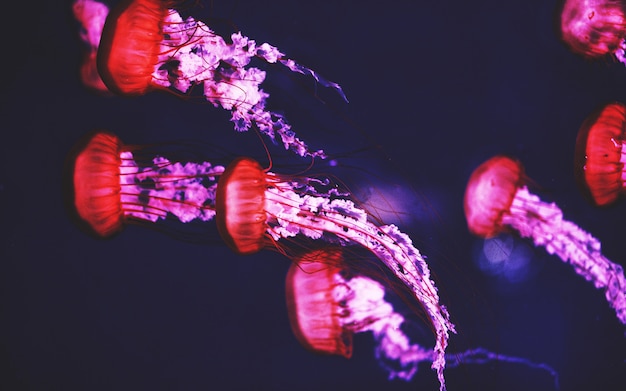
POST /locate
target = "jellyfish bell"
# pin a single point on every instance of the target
(130, 43)
(240, 202)
(594, 28)
(146, 45)
(314, 313)
(489, 193)
(601, 154)
(96, 184)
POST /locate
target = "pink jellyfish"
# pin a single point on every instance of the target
(594, 28)
(601, 154)
(253, 208)
(146, 45)
(91, 14)
(496, 199)
(326, 309)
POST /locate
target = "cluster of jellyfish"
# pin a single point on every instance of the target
(253, 209)
(592, 29)
(145, 45)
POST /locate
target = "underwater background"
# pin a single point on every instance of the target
(434, 89)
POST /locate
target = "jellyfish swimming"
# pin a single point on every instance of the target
(111, 187)
(326, 309)
(253, 209)
(496, 199)
(594, 28)
(601, 154)
(91, 14)
(146, 46)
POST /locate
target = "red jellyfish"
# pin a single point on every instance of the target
(601, 154)
(496, 199)
(594, 28)
(91, 14)
(146, 45)
(111, 187)
(253, 207)
(326, 309)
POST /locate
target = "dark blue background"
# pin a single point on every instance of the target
(435, 88)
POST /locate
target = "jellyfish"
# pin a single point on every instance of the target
(91, 14)
(112, 188)
(146, 46)
(496, 199)
(253, 209)
(594, 28)
(601, 154)
(326, 309)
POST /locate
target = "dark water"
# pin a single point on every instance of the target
(435, 88)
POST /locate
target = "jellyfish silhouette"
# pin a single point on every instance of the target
(594, 28)
(146, 45)
(326, 309)
(496, 198)
(253, 208)
(91, 14)
(601, 154)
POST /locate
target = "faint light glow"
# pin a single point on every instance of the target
(506, 258)
(398, 203)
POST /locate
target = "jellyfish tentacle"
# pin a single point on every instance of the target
(186, 191)
(483, 356)
(570, 243)
(200, 54)
(295, 67)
